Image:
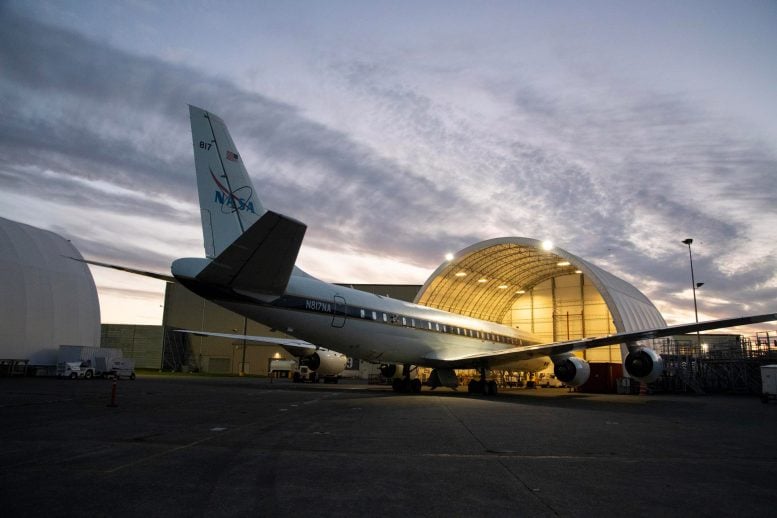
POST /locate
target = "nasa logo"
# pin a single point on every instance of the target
(231, 203)
(239, 199)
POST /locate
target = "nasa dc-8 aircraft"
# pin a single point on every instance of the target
(249, 268)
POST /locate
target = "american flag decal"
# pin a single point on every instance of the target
(232, 156)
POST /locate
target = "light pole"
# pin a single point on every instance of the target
(693, 287)
(245, 331)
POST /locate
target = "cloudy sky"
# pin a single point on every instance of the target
(399, 131)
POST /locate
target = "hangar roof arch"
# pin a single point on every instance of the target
(484, 280)
(46, 298)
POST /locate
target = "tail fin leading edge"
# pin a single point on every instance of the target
(228, 202)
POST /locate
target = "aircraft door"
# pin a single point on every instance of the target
(340, 312)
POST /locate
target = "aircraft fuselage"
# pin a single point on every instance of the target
(372, 327)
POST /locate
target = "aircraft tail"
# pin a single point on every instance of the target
(228, 203)
(247, 247)
(261, 260)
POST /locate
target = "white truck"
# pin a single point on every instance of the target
(83, 369)
(122, 368)
(305, 374)
(280, 368)
(70, 370)
(81, 361)
(549, 381)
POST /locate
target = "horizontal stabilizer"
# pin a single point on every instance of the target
(295, 347)
(261, 259)
(144, 273)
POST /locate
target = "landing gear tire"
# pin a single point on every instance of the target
(405, 385)
(491, 388)
(482, 388)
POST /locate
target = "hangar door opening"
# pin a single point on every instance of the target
(565, 307)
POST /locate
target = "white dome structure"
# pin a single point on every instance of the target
(46, 298)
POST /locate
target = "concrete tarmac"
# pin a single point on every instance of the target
(204, 446)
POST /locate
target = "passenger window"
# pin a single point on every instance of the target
(374, 315)
(412, 322)
(404, 321)
(437, 327)
(429, 324)
(385, 317)
(363, 313)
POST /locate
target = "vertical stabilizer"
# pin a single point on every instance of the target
(228, 203)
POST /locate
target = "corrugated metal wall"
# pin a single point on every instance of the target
(565, 308)
(141, 343)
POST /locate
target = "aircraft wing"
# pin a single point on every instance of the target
(153, 275)
(295, 346)
(560, 348)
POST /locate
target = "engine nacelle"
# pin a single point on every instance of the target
(572, 370)
(325, 363)
(644, 364)
(391, 370)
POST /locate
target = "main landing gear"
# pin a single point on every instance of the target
(405, 384)
(482, 386)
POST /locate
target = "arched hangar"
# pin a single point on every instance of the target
(47, 299)
(541, 289)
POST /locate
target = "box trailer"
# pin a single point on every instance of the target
(768, 382)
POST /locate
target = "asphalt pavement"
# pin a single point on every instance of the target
(206, 446)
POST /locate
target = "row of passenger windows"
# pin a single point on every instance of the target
(437, 327)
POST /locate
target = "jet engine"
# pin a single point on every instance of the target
(391, 370)
(644, 364)
(571, 370)
(325, 363)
